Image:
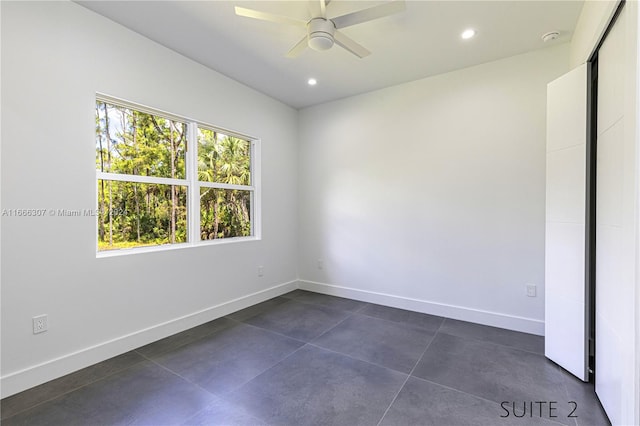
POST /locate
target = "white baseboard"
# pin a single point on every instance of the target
(495, 319)
(18, 381)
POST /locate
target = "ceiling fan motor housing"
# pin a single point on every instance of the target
(320, 33)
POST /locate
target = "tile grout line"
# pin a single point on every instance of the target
(410, 374)
(493, 343)
(283, 359)
(355, 359)
(136, 350)
(331, 328)
(225, 395)
(238, 387)
(184, 331)
(178, 375)
(455, 389)
(404, 323)
(222, 396)
(76, 388)
(401, 322)
(444, 319)
(476, 396)
(349, 314)
(566, 392)
(269, 331)
(194, 384)
(186, 421)
(364, 304)
(368, 361)
(488, 341)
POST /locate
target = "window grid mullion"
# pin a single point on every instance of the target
(193, 214)
(140, 179)
(203, 184)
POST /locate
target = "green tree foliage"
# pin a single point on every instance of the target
(139, 214)
(223, 159)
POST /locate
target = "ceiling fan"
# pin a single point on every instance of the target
(322, 32)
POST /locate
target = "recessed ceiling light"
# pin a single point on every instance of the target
(312, 82)
(467, 34)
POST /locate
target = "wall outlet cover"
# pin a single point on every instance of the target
(40, 324)
(531, 290)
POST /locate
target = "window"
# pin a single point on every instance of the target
(224, 178)
(155, 190)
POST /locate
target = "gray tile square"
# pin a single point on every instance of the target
(500, 336)
(386, 343)
(144, 394)
(494, 372)
(177, 340)
(226, 360)
(301, 321)
(333, 302)
(318, 387)
(428, 404)
(254, 310)
(426, 321)
(220, 413)
(50, 390)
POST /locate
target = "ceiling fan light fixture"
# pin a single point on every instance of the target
(320, 42)
(321, 34)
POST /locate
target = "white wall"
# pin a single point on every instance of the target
(55, 57)
(431, 195)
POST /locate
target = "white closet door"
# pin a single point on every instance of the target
(615, 230)
(565, 289)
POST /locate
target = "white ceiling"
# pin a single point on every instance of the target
(420, 42)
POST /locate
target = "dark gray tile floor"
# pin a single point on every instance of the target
(312, 359)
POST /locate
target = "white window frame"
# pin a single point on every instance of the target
(191, 182)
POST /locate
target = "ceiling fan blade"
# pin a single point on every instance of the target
(347, 43)
(298, 48)
(264, 16)
(370, 14)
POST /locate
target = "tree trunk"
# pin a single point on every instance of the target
(102, 201)
(134, 125)
(216, 218)
(106, 127)
(148, 197)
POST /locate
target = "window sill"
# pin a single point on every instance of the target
(170, 247)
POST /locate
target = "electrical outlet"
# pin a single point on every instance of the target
(260, 271)
(40, 324)
(531, 290)
(320, 264)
